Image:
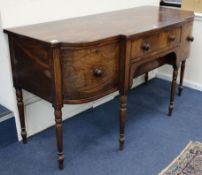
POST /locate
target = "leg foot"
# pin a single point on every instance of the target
(121, 142)
(61, 162)
(181, 78)
(180, 91)
(20, 104)
(123, 104)
(24, 137)
(146, 77)
(173, 90)
(170, 110)
(58, 121)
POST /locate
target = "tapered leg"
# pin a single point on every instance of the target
(58, 121)
(20, 104)
(173, 90)
(146, 77)
(181, 78)
(123, 108)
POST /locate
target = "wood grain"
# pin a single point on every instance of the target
(106, 25)
(80, 81)
(156, 42)
(185, 45)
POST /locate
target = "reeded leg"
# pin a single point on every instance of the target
(58, 120)
(181, 78)
(20, 104)
(123, 108)
(146, 77)
(173, 90)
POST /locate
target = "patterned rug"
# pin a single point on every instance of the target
(189, 162)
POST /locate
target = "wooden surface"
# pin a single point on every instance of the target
(79, 60)
(155, 43)
(97, 27)
(89, 71)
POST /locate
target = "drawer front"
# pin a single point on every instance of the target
(89, 72)
(186, 40)
(152, 44)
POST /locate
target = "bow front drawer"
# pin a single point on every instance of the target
(152, 44)
(90, 72)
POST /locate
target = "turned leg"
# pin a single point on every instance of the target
(58, 121)
(181, 78)
(123, 105)
(173, 90)
(20, 104)
(146, 77)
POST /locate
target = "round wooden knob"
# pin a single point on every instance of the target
(146, 46)
(190, 38)
(172, 37)
(98, 72)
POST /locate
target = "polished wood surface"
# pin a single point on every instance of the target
(186, 40)
(155, 43)
(79, 60)
(173, 89)
(181, 77)
(90, 71)
(106, 25)
(33, 61)
(21, 114)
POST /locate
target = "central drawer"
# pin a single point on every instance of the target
(152, 44)
(90, 72)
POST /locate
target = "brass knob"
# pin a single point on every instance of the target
(146, 46)
(190, 38)
(98, 72)
(172, 37)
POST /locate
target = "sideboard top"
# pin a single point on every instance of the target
(100, 26)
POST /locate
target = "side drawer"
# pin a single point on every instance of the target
(153, 43)
(186, 40)
(90, 72)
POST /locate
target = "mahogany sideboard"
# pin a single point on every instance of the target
(79, 60)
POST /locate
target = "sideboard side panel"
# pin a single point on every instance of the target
(31, 65)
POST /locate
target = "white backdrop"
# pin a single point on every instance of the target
(39, 115)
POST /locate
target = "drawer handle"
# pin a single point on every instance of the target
(172, 37)
(98, 72)
(190, 38)
(146, 47)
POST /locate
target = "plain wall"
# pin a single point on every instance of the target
(39, 115)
